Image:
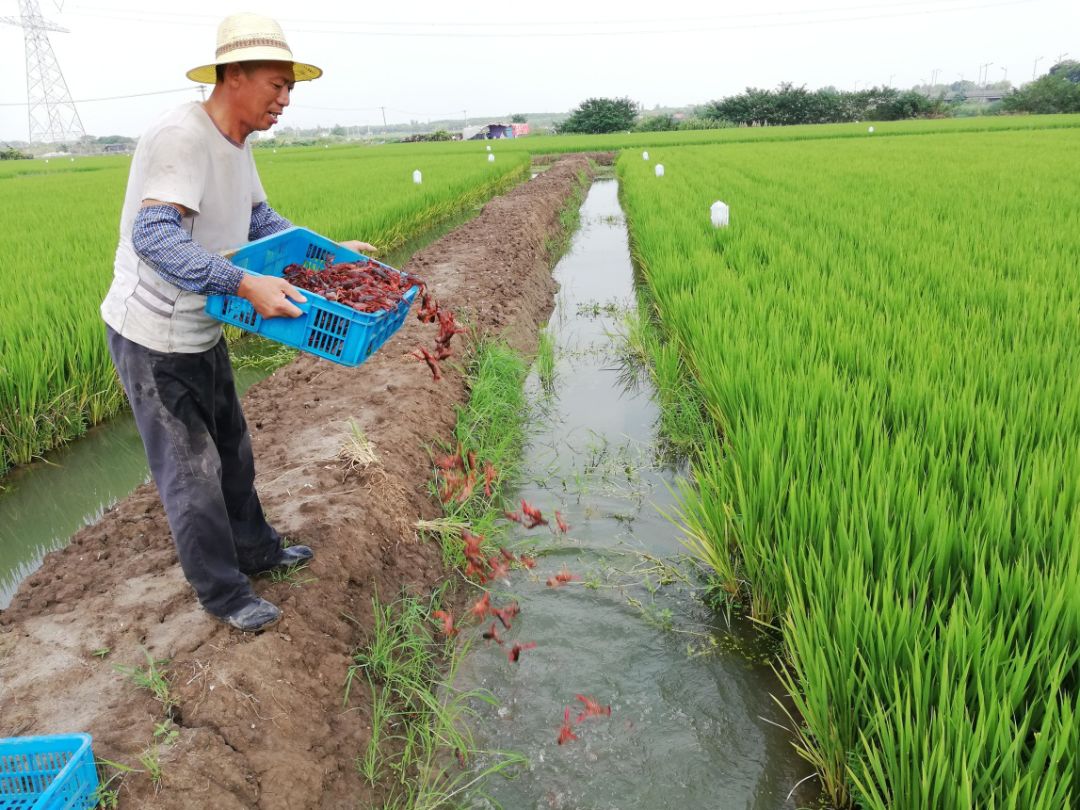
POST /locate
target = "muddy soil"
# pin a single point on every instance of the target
(261, 718)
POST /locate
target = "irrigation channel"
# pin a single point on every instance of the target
(693, 720)
(43, 504)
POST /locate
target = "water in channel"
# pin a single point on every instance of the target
(43, 504)
(693, 721)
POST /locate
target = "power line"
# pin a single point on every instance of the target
(110, 98)
(935, 6)
(533, 34)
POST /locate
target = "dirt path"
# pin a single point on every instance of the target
(261, 717)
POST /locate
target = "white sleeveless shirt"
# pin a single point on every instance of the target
(185, 159)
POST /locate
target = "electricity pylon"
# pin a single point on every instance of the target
(51, 112)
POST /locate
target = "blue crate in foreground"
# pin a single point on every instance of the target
(326, 329)
(47, 773)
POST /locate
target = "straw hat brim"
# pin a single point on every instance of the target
(207, 74)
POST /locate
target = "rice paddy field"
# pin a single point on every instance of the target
(56, 377)
(885, 338)
(883, 347)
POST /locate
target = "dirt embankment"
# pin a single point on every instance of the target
(261, 720)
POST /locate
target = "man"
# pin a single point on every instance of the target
(194, 192)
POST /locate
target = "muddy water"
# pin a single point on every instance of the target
(692, 713)
(43, 504)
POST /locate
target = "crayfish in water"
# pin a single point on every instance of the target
(562, 578)
(592, 708)
(566, 733)
(514, 653)
(532, 515)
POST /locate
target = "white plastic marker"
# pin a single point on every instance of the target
(659, 169)
(489, 148)
(719, 213)
(491, 158)
(870, 130)
(417, 177)
(644, 155)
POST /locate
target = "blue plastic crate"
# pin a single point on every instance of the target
(47, 773)
(326, 329)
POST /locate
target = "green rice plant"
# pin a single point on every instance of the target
(56, 378)
(883, 340)
(555, 144)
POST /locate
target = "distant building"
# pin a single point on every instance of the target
(117, 148)
(520, 129)
(490, 132)
(980, 94)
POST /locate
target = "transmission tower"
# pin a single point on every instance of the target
(51, 112)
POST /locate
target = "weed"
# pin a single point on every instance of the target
(419, 721)
(101, 652)
(545, 360)
(107, 797)
(154, 679)
(166, 732)
(292, 575)
(358, 452)
(569, 220)
(492, 425)
(150, 759)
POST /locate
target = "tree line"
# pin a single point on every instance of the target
(1058, 91)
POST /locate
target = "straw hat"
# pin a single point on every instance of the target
(248, 37)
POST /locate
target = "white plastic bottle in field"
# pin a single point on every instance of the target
(417, 177)
(719, 214)
(659, 169)
(489, 148)
(870, 130)
(644, 155)
(491, 158)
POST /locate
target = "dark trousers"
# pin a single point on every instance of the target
(197, 443)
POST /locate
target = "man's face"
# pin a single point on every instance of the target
(264, 93)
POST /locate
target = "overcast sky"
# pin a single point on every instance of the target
(423, 59)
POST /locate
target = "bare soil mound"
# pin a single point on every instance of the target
(261, 718)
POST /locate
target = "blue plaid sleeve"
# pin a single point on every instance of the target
(266, 221)
(161, 241)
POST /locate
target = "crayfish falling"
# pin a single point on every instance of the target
(430, 312)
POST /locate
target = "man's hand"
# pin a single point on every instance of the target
(360, 247)
(270, 295)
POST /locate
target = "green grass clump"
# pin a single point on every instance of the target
(885, 339)
(545, 360)
(420, 739)
(492, 426)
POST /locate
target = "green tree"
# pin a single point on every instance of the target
(518, 118)
(909, 104)
(1047, 94)
(600, 115)
(1068, 69)
(656, 123)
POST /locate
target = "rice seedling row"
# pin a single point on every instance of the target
(885, 339)
(56, 378)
